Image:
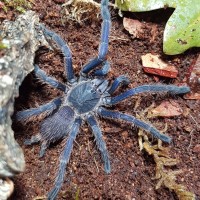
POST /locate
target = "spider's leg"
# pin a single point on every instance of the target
(118, 115)
(65, 50)
(103, 47)
(34, 139)
(51, 81)
(104, 70)
(100, 142)
(64, 159)
(43, 148)
(121, 80)
(46, 109)
(172, 89)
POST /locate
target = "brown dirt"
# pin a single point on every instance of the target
(132, 170)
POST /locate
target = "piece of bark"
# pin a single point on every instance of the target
(22, 38)
(154, 65)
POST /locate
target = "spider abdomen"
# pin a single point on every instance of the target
(57, 125)
(84, 97)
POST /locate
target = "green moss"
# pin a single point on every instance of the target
(77, 194)
(18, 5)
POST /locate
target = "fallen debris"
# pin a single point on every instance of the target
(140, 30)
(81, 10)
(134, 27)
(154, 65)
(166, 109)
(166, 177)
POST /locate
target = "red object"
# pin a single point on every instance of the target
(161, 72)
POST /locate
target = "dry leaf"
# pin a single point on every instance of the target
(141, 30)
(166, 109)
(154, 65)
(134, 27)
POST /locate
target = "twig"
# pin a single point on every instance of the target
(191, 134)
(118, 38)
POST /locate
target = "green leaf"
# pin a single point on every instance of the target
(182, 30)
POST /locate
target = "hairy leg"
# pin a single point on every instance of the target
(118, 115)
(64, 159)
(104, 70)
(121, 80)
(100, 142)
(103, 47)
(45, 109)
(49, 80)
(35, 139)
(172, 89)
(65, 50)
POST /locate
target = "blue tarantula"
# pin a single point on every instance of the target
(85, 98)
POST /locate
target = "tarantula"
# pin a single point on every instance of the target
(85, 98)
